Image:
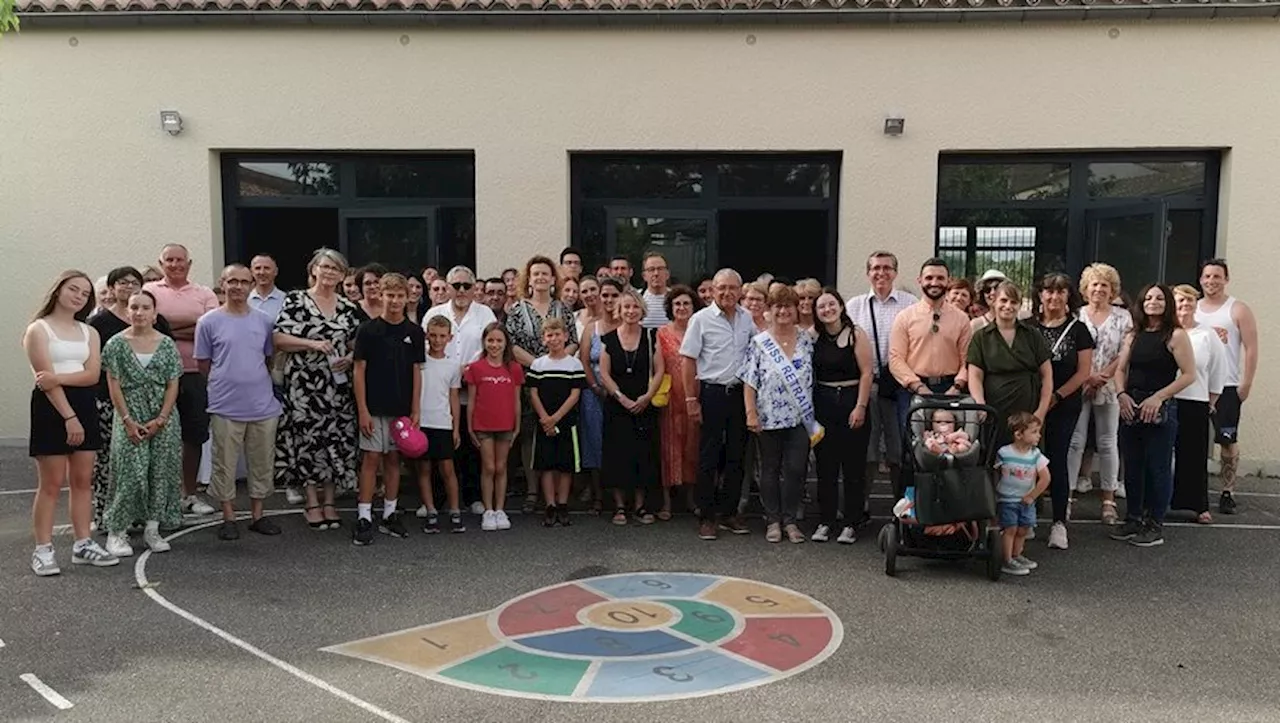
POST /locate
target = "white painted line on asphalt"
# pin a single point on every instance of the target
(51, 695)
(18, 492)
(140, 575)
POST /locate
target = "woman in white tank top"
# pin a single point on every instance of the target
(64, 437)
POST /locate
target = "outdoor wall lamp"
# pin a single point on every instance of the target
(171, 122)
(894, 124)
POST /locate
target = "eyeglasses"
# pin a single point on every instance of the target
(936, 318)
(129, 282)
(462, 285)
(329, 267)
(655, 268)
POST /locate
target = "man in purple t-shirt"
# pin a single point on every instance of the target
(233, 348)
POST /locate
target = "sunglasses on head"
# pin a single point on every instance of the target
(462, 285)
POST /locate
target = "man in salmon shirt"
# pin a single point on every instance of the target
(183, 302)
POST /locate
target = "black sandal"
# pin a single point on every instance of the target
(323, 524)
(644, 517)
(334, 524)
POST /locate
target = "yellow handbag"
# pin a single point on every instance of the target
(662, 397)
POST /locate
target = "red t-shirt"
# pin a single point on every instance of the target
(495, 400)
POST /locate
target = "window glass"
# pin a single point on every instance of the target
(641, 179)
(1122, 179)
(773, 178)
(1023, 244)
(1003, 181)
(260, 178)
(427, 178)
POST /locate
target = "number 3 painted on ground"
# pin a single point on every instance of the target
(666, 671)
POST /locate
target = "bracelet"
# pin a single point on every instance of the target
(68, 419)
(690, 399)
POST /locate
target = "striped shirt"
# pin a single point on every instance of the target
(859, 308)
(655, 315)
(555, 380)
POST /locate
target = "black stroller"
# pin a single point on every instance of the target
(951, 497)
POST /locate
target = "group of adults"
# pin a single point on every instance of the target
(749, 373)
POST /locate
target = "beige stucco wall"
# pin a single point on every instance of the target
(87, 179)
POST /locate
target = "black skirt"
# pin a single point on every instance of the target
(49, 430)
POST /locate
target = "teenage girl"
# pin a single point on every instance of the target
(493, 416)
(65, 436)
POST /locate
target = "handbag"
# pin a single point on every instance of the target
(1162, 417)
(662, 397)
(886, 386)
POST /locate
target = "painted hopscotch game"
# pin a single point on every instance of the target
(634, 637)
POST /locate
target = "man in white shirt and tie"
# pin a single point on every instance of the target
(874, 312)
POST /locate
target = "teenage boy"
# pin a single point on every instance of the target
(555, 382)
(441, 416)
(389, 353)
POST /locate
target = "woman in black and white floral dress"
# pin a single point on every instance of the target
(316, 441)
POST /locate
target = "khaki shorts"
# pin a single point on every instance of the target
(258, 442)
(381, 440)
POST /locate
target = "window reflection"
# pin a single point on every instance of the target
(641, 179)
(256, 179)
(1138, 180)
(777, 179)
(1003, 181)
(429, 178)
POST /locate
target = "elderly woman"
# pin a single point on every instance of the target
(808, 290)
(316, 439)
(1195, 405)
(1155, 364)
(679, 433)
(1009, 364)
(1109, 324)
(1071, 356)
(986, 297)
(755, 299)
(778, 377)
(960, 294)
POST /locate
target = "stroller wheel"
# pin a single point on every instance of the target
(890, 550)
(995, 554)
(883, 535)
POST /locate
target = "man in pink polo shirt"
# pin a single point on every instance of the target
(183, 302)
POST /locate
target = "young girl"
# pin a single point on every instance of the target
(146, 463)
(493, 416)
(1024, 476)
(556, 380)
(63, 353)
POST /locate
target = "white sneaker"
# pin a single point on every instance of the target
(195, 506)
(488, 521)
(155, 541)
(477, 508)
(43, 563)
(119, 546)
(1084, 484)
(847, 536)
(822, 534)
(1058, 536)
(1120, 491)
(500, 518)
(422, 513)
(293, 496)
(91, 553)
(1024, 562)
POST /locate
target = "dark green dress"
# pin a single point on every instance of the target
(1011, 372)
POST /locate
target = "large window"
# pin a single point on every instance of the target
(1152, 216)
(707, 212)
(404, 211)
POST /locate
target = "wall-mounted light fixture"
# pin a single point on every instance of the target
(894, 124)
(171, 122)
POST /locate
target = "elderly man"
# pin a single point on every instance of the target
(875, 312)
(182, 302)
(468, 321)
(714, 347)
(265, 297)
(656, 276)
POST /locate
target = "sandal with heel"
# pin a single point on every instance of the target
(334, 523)
(317, 526)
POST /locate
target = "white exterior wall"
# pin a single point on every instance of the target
(88, 180)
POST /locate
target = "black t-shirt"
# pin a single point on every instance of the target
(389, 352)
(108, 325)
(1065, 354)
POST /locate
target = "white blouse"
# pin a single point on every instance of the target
(1211, 365)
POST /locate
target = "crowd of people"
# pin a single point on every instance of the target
(662, 395)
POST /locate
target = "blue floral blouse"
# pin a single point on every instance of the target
(776, 404)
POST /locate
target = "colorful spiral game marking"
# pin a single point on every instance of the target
(634, 637)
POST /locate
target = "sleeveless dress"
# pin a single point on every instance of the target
(679, 435)
(48, 429)
(591, 421)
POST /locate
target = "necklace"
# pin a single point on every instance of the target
(629, 356)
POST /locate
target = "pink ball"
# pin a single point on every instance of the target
(409, 439)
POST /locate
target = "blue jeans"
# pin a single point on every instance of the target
(1016, 513)
(1148, 469)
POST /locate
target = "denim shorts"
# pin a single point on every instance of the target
(1016, 514)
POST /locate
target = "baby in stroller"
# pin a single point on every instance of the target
(942, 436)
(940, 446)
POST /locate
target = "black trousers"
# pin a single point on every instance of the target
(724, 437)
(1191, 457)
(842, 451)
(1059, 425)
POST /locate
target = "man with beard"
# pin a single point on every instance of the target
(929, 341)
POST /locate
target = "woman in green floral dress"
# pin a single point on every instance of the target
(143, 368)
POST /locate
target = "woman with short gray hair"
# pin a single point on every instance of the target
(316, 440)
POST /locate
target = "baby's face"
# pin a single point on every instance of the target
(944, 423)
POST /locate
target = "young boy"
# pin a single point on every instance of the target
(555, 382)
(1024, 476)
(389, 352)
(441, 416)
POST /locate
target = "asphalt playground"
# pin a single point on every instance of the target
(306, 627)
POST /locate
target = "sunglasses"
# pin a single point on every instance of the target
(936, 317)
(462, 285)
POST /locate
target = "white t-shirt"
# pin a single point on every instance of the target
(438, 377)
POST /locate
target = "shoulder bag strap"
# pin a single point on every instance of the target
(875, 332)
(1058, 344)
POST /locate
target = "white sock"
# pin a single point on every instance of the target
(364, 510)
(80, 545)
(388, 508)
